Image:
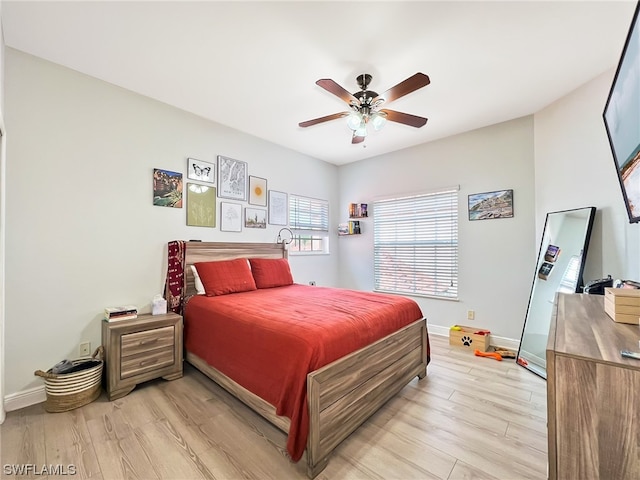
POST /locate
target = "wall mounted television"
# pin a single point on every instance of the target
(622, 120)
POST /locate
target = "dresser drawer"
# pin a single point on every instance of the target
(146, 361)
(140, 342)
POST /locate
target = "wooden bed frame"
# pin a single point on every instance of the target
(340, 395)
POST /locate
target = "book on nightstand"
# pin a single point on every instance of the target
(127, 312)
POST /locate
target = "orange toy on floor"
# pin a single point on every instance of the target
(495, 355)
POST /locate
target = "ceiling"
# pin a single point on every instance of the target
(253, 65)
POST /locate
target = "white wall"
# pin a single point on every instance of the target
(80, 157)
(2, 220)
(496, 257)
(82, 232)
(574, 168)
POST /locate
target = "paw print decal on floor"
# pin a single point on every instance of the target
(466, 341)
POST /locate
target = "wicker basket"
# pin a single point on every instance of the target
(66, 391)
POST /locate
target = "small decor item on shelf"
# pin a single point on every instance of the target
(545, 270)
(349, 228)
(552, 253)
(126, 312)
(357, 210)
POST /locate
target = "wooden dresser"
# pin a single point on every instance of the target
(141, 349)
(593, 394)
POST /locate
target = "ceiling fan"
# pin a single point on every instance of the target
(366, 105)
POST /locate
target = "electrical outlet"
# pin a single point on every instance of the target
(312, 283)
(84, 349)
(471, 314)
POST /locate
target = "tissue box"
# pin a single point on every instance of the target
(622, 304)
(158, 306)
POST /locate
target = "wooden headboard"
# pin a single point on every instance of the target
(214, 251)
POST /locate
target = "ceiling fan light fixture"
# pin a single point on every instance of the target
(364, 105)
(354, 120)
(378, 120)
(361, 131)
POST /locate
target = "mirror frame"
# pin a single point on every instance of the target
(540, 371)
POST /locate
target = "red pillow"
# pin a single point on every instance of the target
(225, 276)
(271, 272)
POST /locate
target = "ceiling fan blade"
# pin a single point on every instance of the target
(326, 118)
(405, 87)
(332, 87)
(356, 138)
(406, 118)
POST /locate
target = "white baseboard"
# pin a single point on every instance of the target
(25, 398)
(494, 340)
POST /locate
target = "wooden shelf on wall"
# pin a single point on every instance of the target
(358, 210)
(349, 228)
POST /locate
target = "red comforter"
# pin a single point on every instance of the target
(268, 340)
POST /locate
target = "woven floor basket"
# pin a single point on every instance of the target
(66, 391)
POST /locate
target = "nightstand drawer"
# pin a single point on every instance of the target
(139, 342)
(146, 361)
(141, 349)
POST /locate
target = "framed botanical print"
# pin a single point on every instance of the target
(201, 205)
(230, 217)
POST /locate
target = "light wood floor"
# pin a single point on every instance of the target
(471, 417)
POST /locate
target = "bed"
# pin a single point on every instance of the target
(334, 385)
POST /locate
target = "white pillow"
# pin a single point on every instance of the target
(197, 281)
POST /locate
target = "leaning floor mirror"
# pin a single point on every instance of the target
(559, 268)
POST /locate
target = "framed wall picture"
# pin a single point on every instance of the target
(488, 205)
(230, 217)
(257, 191)
(255, 218)
(167, 188)
(232, 178)
(278, 208)
(201, 205)
(201, 171)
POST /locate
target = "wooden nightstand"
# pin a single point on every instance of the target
(141, 349)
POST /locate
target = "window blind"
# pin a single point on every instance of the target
(416, 244)
(308, 214)
(569, 280)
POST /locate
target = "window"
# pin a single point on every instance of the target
(569, 280)
(309, 220)
(415, 244)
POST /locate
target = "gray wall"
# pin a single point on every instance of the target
(2, 223)
(574, 168)
(82, 233)
(496, 257)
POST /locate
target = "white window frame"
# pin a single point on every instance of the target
(309, 221)
(416, 244)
